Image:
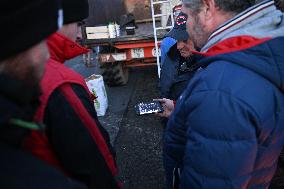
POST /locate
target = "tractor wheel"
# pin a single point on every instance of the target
(114, 74)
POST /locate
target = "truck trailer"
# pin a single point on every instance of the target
(134, 44)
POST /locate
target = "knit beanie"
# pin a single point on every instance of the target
(24, 23)
(75, 10)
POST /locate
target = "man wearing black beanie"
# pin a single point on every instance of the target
(74, 140)
(23, 53)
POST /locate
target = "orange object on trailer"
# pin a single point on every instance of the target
(118, 54)
(134, 46)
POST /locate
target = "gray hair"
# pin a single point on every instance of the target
(280, 4)
(232, 6)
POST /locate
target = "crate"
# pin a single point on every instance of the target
(99, 32)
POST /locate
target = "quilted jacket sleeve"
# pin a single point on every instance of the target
(221, 145)
(168, 72)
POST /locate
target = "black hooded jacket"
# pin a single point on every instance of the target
(20, 170)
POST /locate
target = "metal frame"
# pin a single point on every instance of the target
(154, 17)
(137, 54)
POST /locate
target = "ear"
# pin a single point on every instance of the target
(191, 45)
(209, 9)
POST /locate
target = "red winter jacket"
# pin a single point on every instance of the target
(49, 146)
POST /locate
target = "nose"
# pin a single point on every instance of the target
(179, 45)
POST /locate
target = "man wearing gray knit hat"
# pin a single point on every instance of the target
(23, 53)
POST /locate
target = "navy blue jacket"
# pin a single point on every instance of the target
(166, 44)
(172, 83)
(227, 129)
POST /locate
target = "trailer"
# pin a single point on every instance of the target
(117, 54)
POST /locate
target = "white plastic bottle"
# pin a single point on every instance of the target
(111, 30)
(117, 29)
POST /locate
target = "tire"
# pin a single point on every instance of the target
(115, 74)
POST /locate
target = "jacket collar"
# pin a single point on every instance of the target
(259, 21)
(61, 48)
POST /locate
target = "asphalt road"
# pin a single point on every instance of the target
(138, 139)
(118, 97)
(139, 142)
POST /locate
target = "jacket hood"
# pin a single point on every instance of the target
(260, 21)
(253, 39)
(61, 48)
(265, 59)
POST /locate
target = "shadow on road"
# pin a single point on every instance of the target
(139, 142)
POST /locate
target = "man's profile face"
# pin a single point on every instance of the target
(196, 28)
(185, 48)
(70, 30)
(38, 56)
(28, 66)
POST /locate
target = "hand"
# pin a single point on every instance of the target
(168, 106)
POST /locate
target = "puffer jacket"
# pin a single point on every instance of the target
(172, 82)
(166, 44)
(227, 130)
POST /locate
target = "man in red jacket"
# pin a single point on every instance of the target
(73, 141)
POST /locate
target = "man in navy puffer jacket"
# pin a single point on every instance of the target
(227, 129)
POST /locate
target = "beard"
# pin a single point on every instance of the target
(31, 79)
(26, 73)
(21, 69)
(22, 87)
(25, 70)
(197, 33)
